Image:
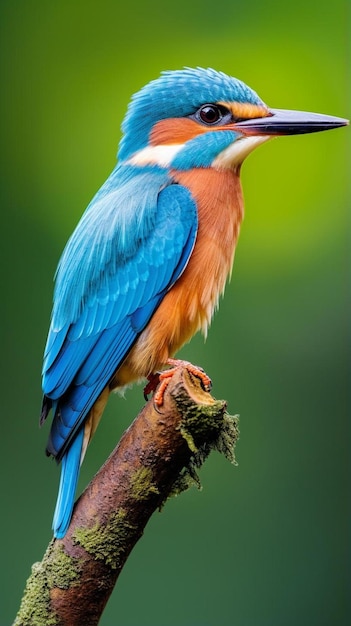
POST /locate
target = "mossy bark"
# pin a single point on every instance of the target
(157, 456)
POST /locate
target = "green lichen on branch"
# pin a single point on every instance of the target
(57, 569)
(107, 541)
(205, 427)
(200, 422)
(142, 485)
(228, 435)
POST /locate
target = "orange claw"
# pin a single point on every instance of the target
(159, 382)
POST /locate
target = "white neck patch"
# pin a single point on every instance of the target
(156, 155)
(234, 155)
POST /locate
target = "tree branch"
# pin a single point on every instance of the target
(157, 456)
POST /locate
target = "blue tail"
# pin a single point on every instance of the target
(68, 483)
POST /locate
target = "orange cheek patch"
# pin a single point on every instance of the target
(174, 131)
(245, 110)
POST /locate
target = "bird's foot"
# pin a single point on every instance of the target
(150, 387)
(159, 382)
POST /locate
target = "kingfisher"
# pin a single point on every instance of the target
(145, 267)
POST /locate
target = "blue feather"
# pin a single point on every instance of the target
(203, 149)
(108, 235)
(68, 485)
(85, 352)
(100, 338)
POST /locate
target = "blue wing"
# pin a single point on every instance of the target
(130, 246)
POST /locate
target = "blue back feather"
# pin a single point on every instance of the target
(108, 234)
(103, 300)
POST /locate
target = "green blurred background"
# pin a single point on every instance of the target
(267, 542)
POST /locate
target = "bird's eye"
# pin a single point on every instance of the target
(210, 114)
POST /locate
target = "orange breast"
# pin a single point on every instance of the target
(189, 305)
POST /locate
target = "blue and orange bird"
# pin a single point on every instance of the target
(145, 267)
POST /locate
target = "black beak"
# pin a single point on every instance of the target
(285, 122)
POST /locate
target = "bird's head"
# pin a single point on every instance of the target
(202, 118)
